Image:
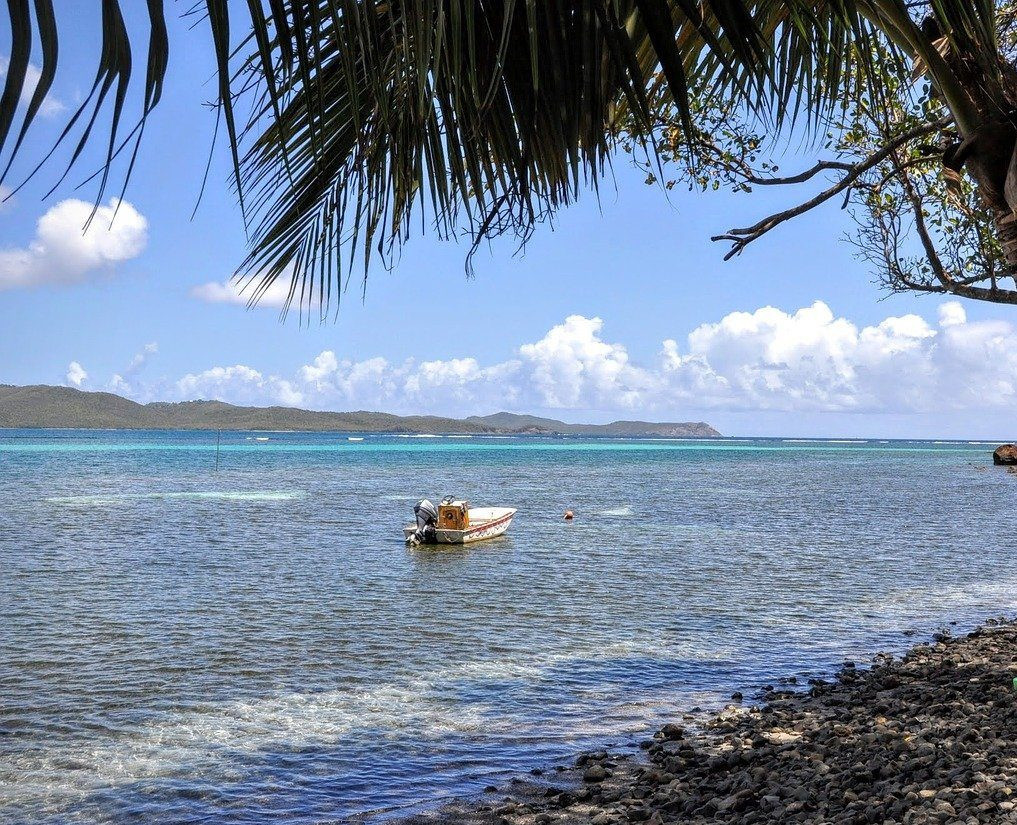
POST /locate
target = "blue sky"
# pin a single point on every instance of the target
(632, 272)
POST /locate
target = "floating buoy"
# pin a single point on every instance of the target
(568, 515)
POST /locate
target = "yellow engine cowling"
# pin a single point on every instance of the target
(454, 516)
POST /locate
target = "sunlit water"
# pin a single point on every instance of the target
(254, 644)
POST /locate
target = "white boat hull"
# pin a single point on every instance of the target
(485, 523)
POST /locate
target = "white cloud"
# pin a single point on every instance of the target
(952, 314)
(321, 370)
(769, 360)
(232, 292)
(376, 383)
(573, 366)
(122, 383)
(51, 106)
(63, 251)
(239, 384)
(141, 357)
(812, 361)
(76, 375)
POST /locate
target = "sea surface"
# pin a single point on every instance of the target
(192, 633)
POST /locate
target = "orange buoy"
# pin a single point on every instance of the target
(568, 515)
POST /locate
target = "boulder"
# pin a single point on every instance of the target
(1005, 454)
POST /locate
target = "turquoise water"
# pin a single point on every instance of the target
(255, 644)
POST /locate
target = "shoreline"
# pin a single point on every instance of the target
(929, 737)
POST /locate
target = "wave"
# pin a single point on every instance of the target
(207, 737)
(212, 495)
(825, 441)
(624, 511)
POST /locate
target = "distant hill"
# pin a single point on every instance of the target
(510, 422)
(45, 406)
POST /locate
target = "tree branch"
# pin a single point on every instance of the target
(741, 238)
(947, 282)
(822, 166)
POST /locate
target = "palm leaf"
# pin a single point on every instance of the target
(475, 117)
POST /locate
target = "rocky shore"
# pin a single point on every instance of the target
(928, 738)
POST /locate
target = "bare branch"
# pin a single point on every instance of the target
(741, 238)
(808, 174)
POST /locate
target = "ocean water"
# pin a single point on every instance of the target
(254, 643)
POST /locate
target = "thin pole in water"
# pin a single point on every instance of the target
(218, 435)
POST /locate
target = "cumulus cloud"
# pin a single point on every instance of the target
(64, 251)
(51, 106)
(805, 361)
(573, 366)
(375, 382)
(952, 314)
(76, 375)
(239, 384)
(812, 360)
(232, 292)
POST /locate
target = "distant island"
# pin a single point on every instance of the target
(64, 407)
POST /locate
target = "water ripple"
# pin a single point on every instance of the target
(181, 644)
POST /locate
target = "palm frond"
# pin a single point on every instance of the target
(471, 117)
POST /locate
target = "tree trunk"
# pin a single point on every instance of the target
(1006, 234)
(990, 158)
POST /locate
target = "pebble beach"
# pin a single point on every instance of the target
(930, 737)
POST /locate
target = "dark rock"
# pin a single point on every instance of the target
(1005, 454)
(672, 732)
(923, 739)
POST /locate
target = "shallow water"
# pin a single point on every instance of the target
(180, 644)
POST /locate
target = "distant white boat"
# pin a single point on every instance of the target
(354, 438)
(458, 523)
(261, 438)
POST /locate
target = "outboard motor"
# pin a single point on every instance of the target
(427, 520)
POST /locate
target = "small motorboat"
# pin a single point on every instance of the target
(454, 521)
